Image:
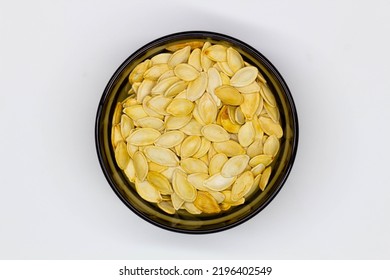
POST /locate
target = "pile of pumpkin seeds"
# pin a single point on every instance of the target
(199, 129)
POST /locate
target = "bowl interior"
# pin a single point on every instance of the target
(182, 221)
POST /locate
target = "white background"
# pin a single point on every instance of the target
(56, 58)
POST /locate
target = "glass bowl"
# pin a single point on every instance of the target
(183, 222)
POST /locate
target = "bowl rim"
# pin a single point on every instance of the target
(182, 36)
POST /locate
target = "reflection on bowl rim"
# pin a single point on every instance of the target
(200, 35)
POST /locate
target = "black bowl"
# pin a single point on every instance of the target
(182, 221)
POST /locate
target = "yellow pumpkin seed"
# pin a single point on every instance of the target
(270, 127)
(206, 203)
(204, 60)
(267, 95)
(216, 163)
(147, 191)
(244, 77)
(177, 202)
(194, 59)
(141, 166)
(121, 155)
(207, 109)
(130, 171)
(190, 146)
(229, 95)
(234, 59)
(235, 166)
(167, 207)
(242, 185)
(161, 58)
(197, 179)
(117, 114)
(176, 88)
(161, 156)
(251, 88)
(265, 178)
(156, 167)
(217, 182)
(179, 56)
(271, 146)
(215, 133)
(180, 107)
(225, 68)
(160, 182)
(246, 134)
(230, 148)
(264, 159)
(182, 187)
(163, 85)
(186, 72)
(254, 149)
(172, 122)
(154, 72)
(214, 81)
(203, 149)
(193, 165)
(116, 135)
(170, 139)
(179, 46)
(143, 136)
(137, 74)
(258, 169)
(197, 87)
(150, 122)
(191, 208)
(135, 112)
(250, 104)
(216, 52)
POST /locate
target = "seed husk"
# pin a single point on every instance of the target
(254, 149)
(235, 166)
(265, 178)
(216, 163)
(215, 133)
(250, 104)
(170, 139)
(207, 109)
(273, 112)
(224, 66)
(246, 134)
(230, 148)
(180, 107)
(244, 77)
(242, 185)
(130, 171)
(121, 156)
(117, 114)
(193, 165)
(143, 136)
(160, 182)
(190, 146)
(186, 72)
(161, 156)
(271, 146)
(270, 127)
(182, 187)
(141, 166)
(194, 59)
(203, 149)
(147, 191)
(217, 182)
(234, 59)
(229, 95)
(239, 116)
(159, 104)
(206, 203)
(179, 56)
(135, 112)
(166, 75)
(197, 87)
(216, 52)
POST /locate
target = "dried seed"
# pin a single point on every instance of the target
(126, 126)
(264, 159)
(182, 187)
(130, 171)
(203, 149)
(273, 112)
(191, 208)
(161, 156)
(216, 163)
(159, 104)
(235, 166)
(204, 60)
(246, 134)
(234, 59)
(197, 179)
(172, 122)
(218, 196)
(117, 114)
(242, 185)
(191, 44)
(190, 146)
(194, 59)
(196, 115)
(145, 89)
(167, 207)
(197, 87)
(270, 127)
(261, 78)
(147, 191)
(192, 128)
(163, 85)
(150, 111)
(245, 76)
(214, 81)
(258, 130)
(258, 169)
(135, 86)
(154, 72)
(206, 203)
(224, 66)
(156, 167)
(226, 122)
(138, 72)
(255, 186)
(135, 112)
(177, 202)
(160, 182)
(254, 149)
(271, 146)
(150, 122)
(267, 95)
(161, 58)
(121, 155)
(265, 178)
(131, 149)
(207, 109)
(194, 165)
(230, 148)
(116, 135)
(141, 166)
(176, 88)
(215, 133)
(216, 52)
(186, 72)
(170, 139)
(218, 183)
(225, 78)
(143, 136)
(179, 56)
(251, 88)
(250, 104)
(166, 75)
(180, 107)
(239, 116)
(229, 95)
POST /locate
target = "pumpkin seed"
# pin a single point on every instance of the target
(182, 187)
(230, 148)
(121, 156)
(216, 52)
(197, 179)
(143, 136)
(206, 203)
(258, 169)
(160, 182)
(194, 59)
(147, 191)
(251, 88)
(117, 114)
(244, 77)
(197, 87)
(156, 167)
(204, 60)
(265, 178)
(159, 104)
(135, 112)
(191, 208)
(193, 165)
(137, 74)
(186, 72)
(203, 149)
(235, 166)
(150, 122)
(172, 122)
(229, 95)
(207, 109)
(161, 156)
(116, 135)
(250, 105)
(234, 59)
(145, 89)
(225, 68)
(154, 72)
(246, 134)
(216, 163)
(177, 202)
(267, 95)
(255, 148)
(170, 139)
(180, 107)
(264, 159)
(130, 171)
(176, 88)
(179, 56)
(242, 185)
(215, 133)
(141, 166)
(167, 207)
(271, 146)
(190, 146)
(214, 81)
(217, 182)
(161, 58)
(163, 85)
(270, 127)
(191, 44)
